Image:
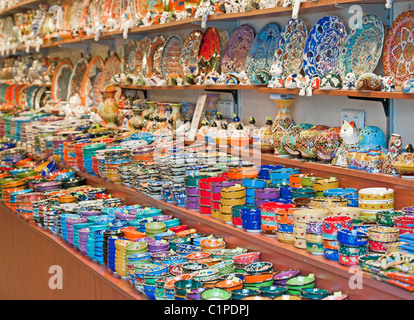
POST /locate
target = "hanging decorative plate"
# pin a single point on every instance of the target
(362, 48)
(98, 12)
(60, 80)
(398, 54)
(322, 48)
(235, 52)
(67, 6)
(97, 96)
(291, 47)
(128, 9)
(262, 51)
(111, 67)
(23, 97)
(141, 47)
(128, 56)
(17, 93)
(170, 62)
(75, 81)
(94, 68)
(116, 10)
(106, 11)
(142, 8)
(189, 53)
(39, 98)
(78, 15)
(209, 54)
(151, 63)
(31, 93)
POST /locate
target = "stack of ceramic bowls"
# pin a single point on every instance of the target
(251, 186)
(352, 212)
(280, 177)
(380, 238)
(303, 193)
(132, 261)
(83, 238)
(216, 294)
(295, 180)
(251, 220)
(386, 218)
(236, 216)
(241, 261)
(264, 195)
(330, 228)
(158, 246)
(264, 171)
(233, 196)
(98, 252)
(280, 277)
(352, 245)
(230, 283)
(321, 185)
(120, 257)
(268, 218)
(405, 224)
(106, 235)
(301, 218)
(258, 274)
(216, 188)
(63, 217)
(49, 220)
(296, 284)
(76, 228)
(349, 194)
(92, 237)
(314, 237)
(327, 202)
(153, 228)
(372, 200)
(285, 222)
(192, 192)
(183, 286)
(211, 244)
(206, 196)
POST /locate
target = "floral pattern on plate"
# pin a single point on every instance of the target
(128, 56)
(235, 52)
(141, 48)
(189, 53)
(95, 67)
(76, 78)
(262, 51)
(292, 46)
(362, 48)
(170, 63)
(60, 80)
(399, 48)
(210, 50)
(323, 45)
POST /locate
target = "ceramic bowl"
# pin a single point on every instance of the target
(216, 294)
(258, 285)
(273, 291)
(314, 293)
(182, 286)
(230, 285)
(296, 284)
(352, 238)
(352, 212)
(288, 297)
(259, 277)
(386, 218)
(383, 234)
(375, 194)
(258, 267)
(243, 293)
(257, 298)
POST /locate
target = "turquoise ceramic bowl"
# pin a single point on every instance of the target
(273, 291)
(314, 293)
(243, 293)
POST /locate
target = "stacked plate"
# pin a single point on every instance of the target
(98, 253)
(89, 151)
(63, 228)
(92, 237)
(76, 228)
(120, 257)
(152, 228)
(107, 234)
(373, 200)
(83, 238)
(112, 251)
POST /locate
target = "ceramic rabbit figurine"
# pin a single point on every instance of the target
(276, 71)
(350, 140)
(349, 81)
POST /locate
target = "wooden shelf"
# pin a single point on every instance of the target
(20, 7)
(192, 87)
(329, 274)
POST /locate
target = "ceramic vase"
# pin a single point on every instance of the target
(109, 109)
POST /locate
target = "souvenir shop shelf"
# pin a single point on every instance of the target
(192, 87)
(282, 255)
(21, 6)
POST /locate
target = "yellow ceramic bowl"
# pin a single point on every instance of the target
(284, 237)
(352, 212)
(300, 243)
(325, 184)
(375, 194)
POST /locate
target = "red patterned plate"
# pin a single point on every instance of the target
(399, 48)
(75, 82)
(209, 54)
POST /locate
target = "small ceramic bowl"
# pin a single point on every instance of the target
(281, 277)
(273, 291)
(230, 285)
(243, 293)
(258, 267)
(259, 277)
(216, 294)
(314, 293)
(257, 298)
(288, 297)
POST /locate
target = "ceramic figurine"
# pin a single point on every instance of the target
(189, 80)
(408, 86)
(349, 81)
(244, 79)
(232, 78)
(350, 141)
(388, 84)
(293, 81)
(232, 126)
(211, 78)
(179, 81)
(221, 79)
(369, 81)
(261, 77)
(330, 82)
(307, 86)
(388, 4)
(200, 78)
(372, 138)
(140, 81)
(394, 150)
(276, 71)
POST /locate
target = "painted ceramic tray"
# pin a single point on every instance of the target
(321, 56)
(210, 50)
(128, 56)
(291, 46)
(170, 62)
(189, 53)
(75, 81)
(94, 68)
(399, 48)
(60, 80)
(235, 52)
(262, 51)
(152, 60)
(363, 47)
(141, 47)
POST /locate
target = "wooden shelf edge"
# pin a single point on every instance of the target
(122, 286)
(20, 6)
(191, 87)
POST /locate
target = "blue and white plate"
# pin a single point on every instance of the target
(323, 46)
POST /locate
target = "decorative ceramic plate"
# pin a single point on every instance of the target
(39, 98)
(399, 48)
(262, 51)
(98, 12)
(170, 62)
(112, 67)
(128, 56)
(152, 60)
(96, 94)
(291, 46)
(210, 50)
(141, 47)
(60, 80)
(362, 48)
(75, 82)
(189, 53)
(321, 56)
(235, 52)
(116, 10)
(106, 11)
(94, 68)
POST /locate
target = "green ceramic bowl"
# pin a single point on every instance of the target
(182, 286)
(273, 291)
(216, 294)
(259, 285)
(294, 285)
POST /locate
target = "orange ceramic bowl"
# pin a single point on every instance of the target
(229, 285)
(198, 256)
(260, 277)
(210, 261)
(185, 233)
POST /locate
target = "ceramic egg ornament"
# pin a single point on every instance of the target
(394, 150)
(349, 81)
(408, 85)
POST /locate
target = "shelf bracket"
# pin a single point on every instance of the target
(234, 94)
(386, 105)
